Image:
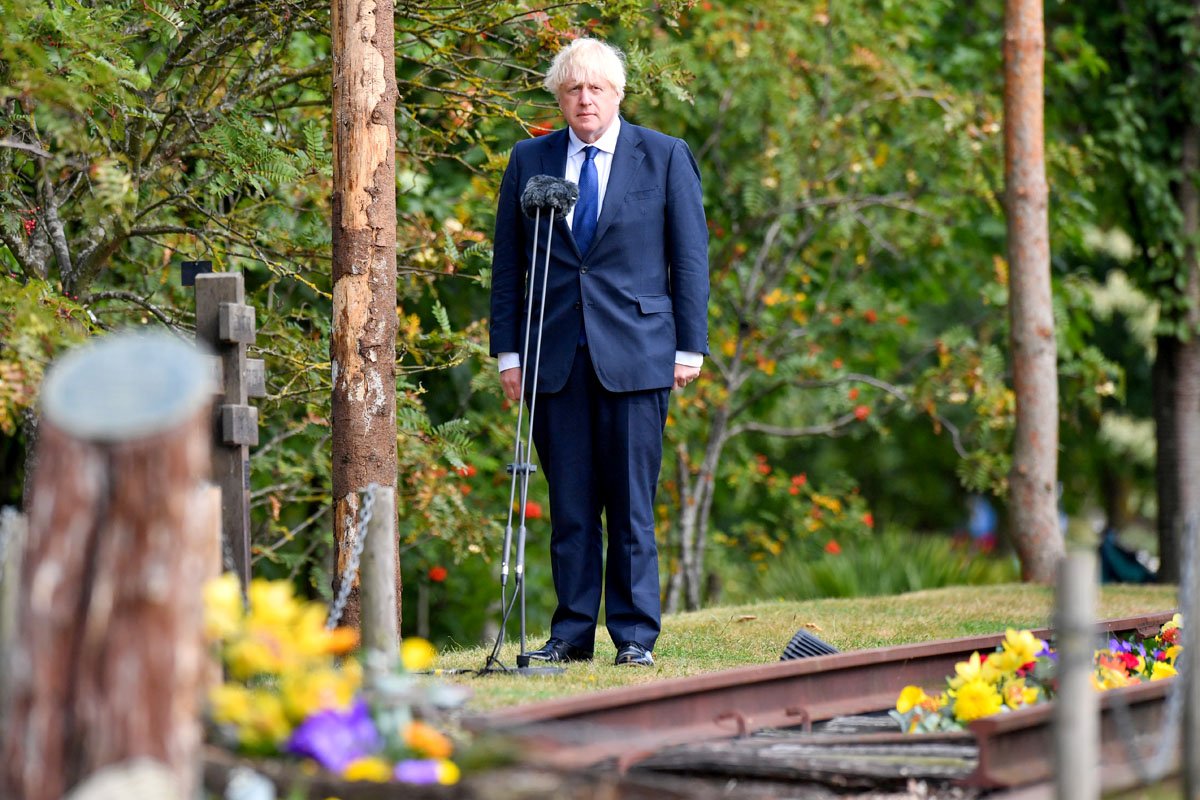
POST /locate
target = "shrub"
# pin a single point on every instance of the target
(887, 563)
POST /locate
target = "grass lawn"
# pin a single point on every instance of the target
(733, 636)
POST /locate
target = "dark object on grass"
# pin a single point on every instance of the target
(804, 644)
(1119, 564)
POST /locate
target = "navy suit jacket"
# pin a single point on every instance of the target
(641, 289)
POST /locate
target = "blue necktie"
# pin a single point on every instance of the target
(588, 206)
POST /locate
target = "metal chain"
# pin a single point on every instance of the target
(351, 572)
(1153, 767)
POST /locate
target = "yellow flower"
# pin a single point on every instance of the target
(271, 603)
(416, 654)
(260, 652)
(223, 607)
(1022, 645)
(976, 698)
(427, 740)
(1172, 653)
(266, 724)
(448, 773)
(1162, 670)
(1017, 694)
(973, 669)
(370, 768)
(229, 703)
(910, 697)
(306, 691)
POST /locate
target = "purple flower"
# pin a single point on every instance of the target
(334, 738)
(417, 771)
(1118, 646)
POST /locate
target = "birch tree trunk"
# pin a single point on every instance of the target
(363, 341)
(1033, 479)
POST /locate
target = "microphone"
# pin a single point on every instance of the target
(547, 193)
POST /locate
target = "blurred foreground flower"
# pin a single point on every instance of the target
(295, 688)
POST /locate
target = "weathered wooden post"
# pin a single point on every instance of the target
(1077, 705)
(12, 546)
(226, 326)
(380, 633)
(110, 658)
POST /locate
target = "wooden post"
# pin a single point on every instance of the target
(362, 346)
(1077, 705)
(12, 546)
(227, 326)
(380, 552)
(110, 657)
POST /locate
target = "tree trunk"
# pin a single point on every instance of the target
(110, 662)
(1033, 479)
(363, 342)
(1177, 386)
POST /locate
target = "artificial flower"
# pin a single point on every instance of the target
(223, 606)
(427, 740)
(976, 698)
(335, 738)
(371, 768)
(417, 654)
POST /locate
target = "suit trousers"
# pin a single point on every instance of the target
(601, 452)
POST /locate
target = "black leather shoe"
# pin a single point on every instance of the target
(557, 650)
(634, 655)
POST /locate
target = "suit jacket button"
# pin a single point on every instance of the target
(583, 270)
(579, 305)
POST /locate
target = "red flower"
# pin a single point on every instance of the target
(1130, 661)
(868, 519)
(799, 480)
(861, 413)
(833, 548)
(837, 363)
(437, 574)
(793, 490)
(533, 510)
(870, 316)
(853, 393)
(466, 490)
(467, 472)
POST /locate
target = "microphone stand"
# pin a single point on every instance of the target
(522, 467)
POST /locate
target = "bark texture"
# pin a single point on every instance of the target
(1034, 475)
(363, 343)
(110, 662)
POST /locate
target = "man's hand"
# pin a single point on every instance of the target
(683, 375)
(510, 381)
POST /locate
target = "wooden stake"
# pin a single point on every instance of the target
(110, 656)
(1077, 706)
(380, 552)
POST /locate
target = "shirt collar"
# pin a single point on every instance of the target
(606, 143)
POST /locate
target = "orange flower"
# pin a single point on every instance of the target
(870, 316)
(833, 548)
(861, 413)
(437, 574)
(533, 510)
(868, 519)
(853, 393)
(427, 740)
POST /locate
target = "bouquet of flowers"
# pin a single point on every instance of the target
(292, 687)
(1021, 672)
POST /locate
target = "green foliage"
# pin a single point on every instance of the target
(884, 564)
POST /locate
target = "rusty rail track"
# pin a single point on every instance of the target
(632, 723)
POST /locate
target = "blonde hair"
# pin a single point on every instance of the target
(586, 59)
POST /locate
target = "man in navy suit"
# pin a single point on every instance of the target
(626, 321)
